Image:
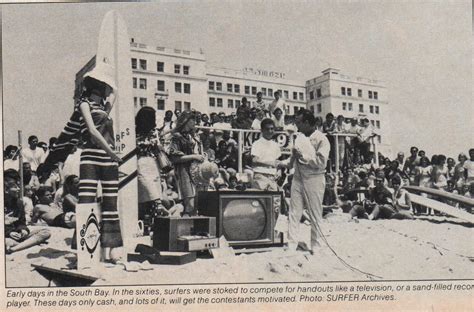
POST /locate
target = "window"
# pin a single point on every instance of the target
(376, 109)
(185, 72)
(177, 87)
(349, 92)
(135, 82)
(359, 93)
(212, 102)
(312, 109)
(178, 105)
(237, 103)
(379, 138)
(343, 91)
(229, 87)
(135, 101)
(211, 85)
(372, 122)
(254, 90)
(247, 90)
(143, 64)
(279, 91)
(143, 83)
(311, 95)
(295, 95)
(237, 88)
(344, 106)
(376, 95)
(370, 94)
(301, 96)
(230, 103)
(187, 106)
(142, 102)
(361, 108)
(219, 102)
(177, 68)
(285, 94)
(187, 88)
(160, 104)
(219, 86)
(270, 92)
(264, 91)
(318, 92)
(160, 66)
(371, 109)
(161, 85)
(319, 108)
(378, 124)
(295, 109)
(134, 63)
(349, 105)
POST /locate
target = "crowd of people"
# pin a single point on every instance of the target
(187, 152)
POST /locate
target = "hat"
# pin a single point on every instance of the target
(103, 72)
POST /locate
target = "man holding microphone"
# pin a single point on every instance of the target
(309, 157)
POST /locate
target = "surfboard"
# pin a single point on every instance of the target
(88, 235)
(445, 208)
(114, 48)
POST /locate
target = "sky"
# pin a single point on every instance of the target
(422, 50)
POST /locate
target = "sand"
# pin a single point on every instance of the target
(426, 248)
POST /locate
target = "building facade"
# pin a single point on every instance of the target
(170, 79)
(352, 97)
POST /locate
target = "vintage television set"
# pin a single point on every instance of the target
(244, 218)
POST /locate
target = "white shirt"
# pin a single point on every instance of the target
(315, 155)
(72, 163)
(256, 124)
(34, 157)
(265, 151)
(11, 164)
(279, 123)
(469, 166)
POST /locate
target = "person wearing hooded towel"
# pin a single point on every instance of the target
(98, 159)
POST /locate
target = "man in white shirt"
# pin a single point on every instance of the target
(309, 159)
(469, 166)
(364, 136)
(265, 153)
(33, 154)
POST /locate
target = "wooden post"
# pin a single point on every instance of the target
(20, 169)
(241, 142)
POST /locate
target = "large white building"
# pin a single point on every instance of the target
(169, 79)
(352, 97)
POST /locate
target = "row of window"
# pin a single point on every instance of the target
(160, 85)
(235, 88)
(218, 102)
(372, 109)
(160, 104)
(348, 91)
(318, 94)
(160, 66)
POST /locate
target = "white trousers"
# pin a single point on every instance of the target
(306, 193)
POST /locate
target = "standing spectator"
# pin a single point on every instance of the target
(364, 136)
(410, 164)
(32, 154)
(278, 102)
(205, 121)
(243, 119)
(459, 176)
(401, 158)
(450, 163)
(265, 154)
(260, 104)
(469, 167)
(185, 148)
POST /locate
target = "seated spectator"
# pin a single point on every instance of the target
(29, 177)
(206, 121)
(17, 235)
(11, 160)
(67, 196)
(258, 120)
(278, 119)
(469, 167)
(50, 213)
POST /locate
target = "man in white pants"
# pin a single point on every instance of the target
(309, 158)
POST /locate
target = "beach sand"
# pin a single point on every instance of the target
(435, 247)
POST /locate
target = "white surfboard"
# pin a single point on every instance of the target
(442, 207)
(114, 48)
(88, 236)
